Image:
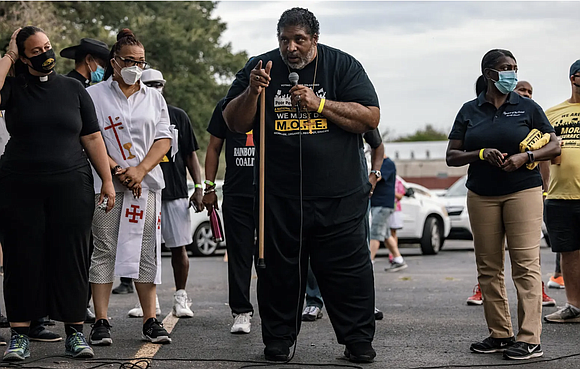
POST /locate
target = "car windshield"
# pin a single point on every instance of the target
(457, 189)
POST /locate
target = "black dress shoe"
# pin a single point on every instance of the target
(361, 352)
(277, 350)
(123, 288)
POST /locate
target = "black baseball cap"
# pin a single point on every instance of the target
(575, 68)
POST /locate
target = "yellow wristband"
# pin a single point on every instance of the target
(321, 106)
(544, 193)
(481, 154)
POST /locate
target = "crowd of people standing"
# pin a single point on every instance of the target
(112, 159)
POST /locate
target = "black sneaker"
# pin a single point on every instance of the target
(101, 333)
(361, 352)
(153, 331)
(277, 350)
(491, 345)
(123, 288)
(41, 334)
(378, 314)
(522, 351)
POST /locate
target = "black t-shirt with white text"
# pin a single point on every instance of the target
(175, 172)
(239, 154)
(331, 156)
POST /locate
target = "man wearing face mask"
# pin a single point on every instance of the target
(89, 57)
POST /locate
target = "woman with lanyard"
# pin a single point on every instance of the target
(46, 195)
(504, 202)
(134, 121)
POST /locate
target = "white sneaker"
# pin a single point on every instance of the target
(242, 323)
(137, 311)
(181, 305)
(311, 313)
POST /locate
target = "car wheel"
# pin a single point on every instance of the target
(432, 237)
(203, 243)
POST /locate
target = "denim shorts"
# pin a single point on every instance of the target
(380, 222)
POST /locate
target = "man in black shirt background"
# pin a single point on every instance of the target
(316, 193)
(238, 211)
(90, 58)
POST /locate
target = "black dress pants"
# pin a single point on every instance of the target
(45, 225)
(238, 212)
(334, 236)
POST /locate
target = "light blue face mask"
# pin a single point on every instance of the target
(508, 79)
(97, 76)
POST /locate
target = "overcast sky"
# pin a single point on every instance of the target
(424, 57)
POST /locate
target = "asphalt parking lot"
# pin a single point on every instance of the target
(427, 323)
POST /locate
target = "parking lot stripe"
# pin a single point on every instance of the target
(149, 349)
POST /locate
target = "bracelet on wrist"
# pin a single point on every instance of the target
(208, 190)
(321, 106)
(10, 57)
(481, 154)
(209, 183)
(197, 185)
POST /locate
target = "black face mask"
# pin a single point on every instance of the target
(44, 62)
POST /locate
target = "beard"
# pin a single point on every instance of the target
(303, 60)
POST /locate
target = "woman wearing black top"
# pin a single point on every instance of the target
(504, 201)
(46, 192)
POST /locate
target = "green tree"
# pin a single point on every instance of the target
(429, 133)
(181, 39)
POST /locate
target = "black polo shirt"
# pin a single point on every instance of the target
(480, 125)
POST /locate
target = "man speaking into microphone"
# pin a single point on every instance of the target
(316, 188)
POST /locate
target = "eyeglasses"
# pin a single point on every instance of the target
(154, 84)
(131, 62)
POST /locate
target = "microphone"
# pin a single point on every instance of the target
(293, 77)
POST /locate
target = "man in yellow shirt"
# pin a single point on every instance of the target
(563, 201)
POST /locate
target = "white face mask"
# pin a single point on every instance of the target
(131, 75)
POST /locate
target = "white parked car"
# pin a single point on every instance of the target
(456, 205)
(203, 243)
(425, 219)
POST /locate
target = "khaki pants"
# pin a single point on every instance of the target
(517, 217)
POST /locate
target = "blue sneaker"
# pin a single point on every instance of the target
(77, 347)
(17, 349)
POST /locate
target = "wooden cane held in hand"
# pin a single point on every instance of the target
(261, 263)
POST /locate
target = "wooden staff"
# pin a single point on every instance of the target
(261, 263)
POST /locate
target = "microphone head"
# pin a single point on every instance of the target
(293, 77)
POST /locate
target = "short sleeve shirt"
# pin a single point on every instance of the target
(480, 125)
(45, 117)
(175, 169)
(130, 126)
(565, 177)
(239, 152)
(329, 158)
